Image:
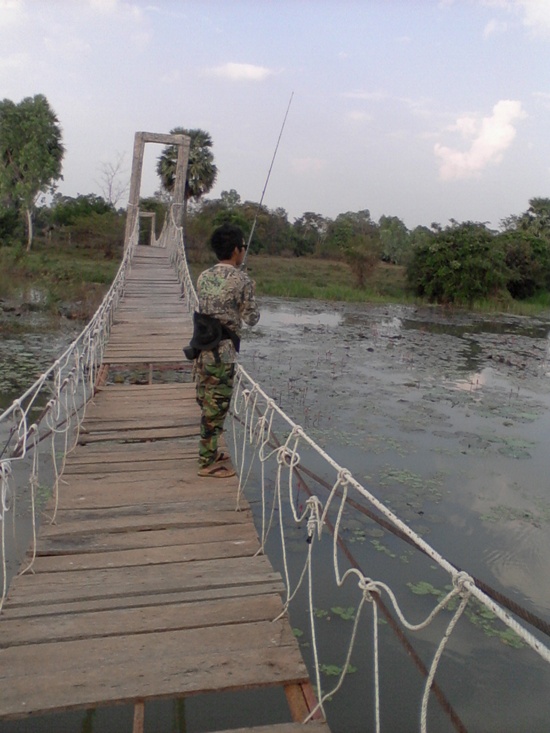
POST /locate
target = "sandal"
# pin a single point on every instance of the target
(222, 456)
(217, 470)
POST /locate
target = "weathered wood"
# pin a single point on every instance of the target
(154, 618)
(162, 669)
(109, 582)
(142, 601)
(108, 542)
(144, 523)
(153, 556)
(139, 717)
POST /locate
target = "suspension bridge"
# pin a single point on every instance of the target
(145, 582)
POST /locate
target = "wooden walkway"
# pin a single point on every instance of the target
(148, 585)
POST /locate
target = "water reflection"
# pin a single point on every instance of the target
(282, 316)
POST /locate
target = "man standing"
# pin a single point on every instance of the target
(226, 295)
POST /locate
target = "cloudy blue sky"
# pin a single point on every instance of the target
(423, 109)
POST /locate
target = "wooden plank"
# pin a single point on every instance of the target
(105, 542)
(145, 523)
(176, 663)
(142, 601)
(108, 582)
(139, 435)
(151, 451)
(152, 556)
(140, 620)
(122, 466)
(116, 517)
(110, 492)
(168, 678)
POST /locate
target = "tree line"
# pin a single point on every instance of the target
(457, 263)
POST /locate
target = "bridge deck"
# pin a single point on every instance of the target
(148, 585)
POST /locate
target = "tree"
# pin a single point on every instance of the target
(395, 240)
(113, 182)
(308, 233)
(31, 154)
(527, 257)
(460, 264)
(65, 210)
(201, 169)
(357, 237)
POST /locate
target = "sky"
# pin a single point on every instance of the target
(428, 110)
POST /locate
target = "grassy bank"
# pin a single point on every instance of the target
(72, 280)
(304, 277)
(55, 279)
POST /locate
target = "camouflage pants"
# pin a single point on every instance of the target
(214, 389)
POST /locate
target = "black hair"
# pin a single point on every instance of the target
(224, 239)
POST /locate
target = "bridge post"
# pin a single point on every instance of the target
(183, 142)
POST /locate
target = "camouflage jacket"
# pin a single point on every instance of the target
(227, 293)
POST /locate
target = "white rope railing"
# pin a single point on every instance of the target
(44, 423)
(254, 441)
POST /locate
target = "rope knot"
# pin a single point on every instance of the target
(297, 432)
(367, 586)
(461, 581)
(344, 476)
(287, 457)
(315, 507)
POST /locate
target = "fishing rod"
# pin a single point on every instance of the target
(266, 182)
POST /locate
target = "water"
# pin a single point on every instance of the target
(445, 419)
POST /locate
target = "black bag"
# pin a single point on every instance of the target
(208, 331)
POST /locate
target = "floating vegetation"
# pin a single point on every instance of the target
(475, 612)
(345, 613)
(502, 513)
(379, 547)
(333, 670)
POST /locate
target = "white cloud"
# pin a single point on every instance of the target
(490, 138)
(240, 72)
(104, 6)
(494, 27)
(11, 12)
(543, 98)
(113, 7)
(308, 165)
(69, 47)
(366, 96)
(358, 116)
(14, 62)
(535, 13)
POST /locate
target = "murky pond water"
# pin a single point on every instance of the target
(445, 418)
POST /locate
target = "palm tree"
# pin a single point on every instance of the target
(201, 169)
